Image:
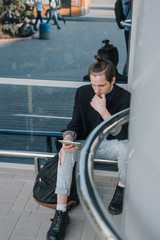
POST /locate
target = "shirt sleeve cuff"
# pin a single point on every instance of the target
(116, 131)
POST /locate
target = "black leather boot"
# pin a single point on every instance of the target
(116, 205)
(58, 226)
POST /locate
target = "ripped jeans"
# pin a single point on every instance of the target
(108, 149)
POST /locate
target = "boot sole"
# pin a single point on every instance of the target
(114, 213)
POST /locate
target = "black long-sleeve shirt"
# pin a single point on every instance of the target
(85, 118)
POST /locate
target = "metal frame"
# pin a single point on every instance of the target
(37, 156)
(26, 154)
(46, 134)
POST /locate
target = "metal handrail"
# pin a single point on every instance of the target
(39, 155)
(42, 155)
(28, 132)
(126, 23)
(89, 197)
(28, 154)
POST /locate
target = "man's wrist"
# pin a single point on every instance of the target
(68, 138)
(71, 133)
(105, 114)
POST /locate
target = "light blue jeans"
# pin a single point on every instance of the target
(108, 149)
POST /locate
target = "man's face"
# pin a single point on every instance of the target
(101, 85)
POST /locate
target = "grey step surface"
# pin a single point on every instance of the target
(22, 218)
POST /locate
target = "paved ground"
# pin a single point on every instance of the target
(21, 218)
(66, 55)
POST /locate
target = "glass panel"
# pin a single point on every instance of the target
(32, 67)
(33, 108)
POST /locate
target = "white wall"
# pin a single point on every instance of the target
(142, 203)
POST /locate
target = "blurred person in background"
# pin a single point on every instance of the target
(39, 6)
(126, 4)
(54, 7)
(110, 52)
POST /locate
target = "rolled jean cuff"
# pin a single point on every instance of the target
(122, 172)
(62, 191)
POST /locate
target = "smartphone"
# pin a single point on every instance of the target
(77, 144)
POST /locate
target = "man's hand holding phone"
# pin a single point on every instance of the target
(68, 145)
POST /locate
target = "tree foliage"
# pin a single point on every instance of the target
(16, 18)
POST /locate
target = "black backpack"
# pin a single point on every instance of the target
(45, 184)
(118, 9)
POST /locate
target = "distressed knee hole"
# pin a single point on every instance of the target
(62, 155)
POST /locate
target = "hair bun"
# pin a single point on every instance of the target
(100, 58)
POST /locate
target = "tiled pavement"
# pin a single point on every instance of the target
(21, 218)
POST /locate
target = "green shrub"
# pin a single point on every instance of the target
(15, 18)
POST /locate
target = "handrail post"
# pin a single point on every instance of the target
(49, 144)
(37, 165)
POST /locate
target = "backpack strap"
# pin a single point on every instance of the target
(128, 12)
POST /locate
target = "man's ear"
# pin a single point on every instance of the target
(113, 80)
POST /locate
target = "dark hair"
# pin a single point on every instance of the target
(102, 66)
(109, 51)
